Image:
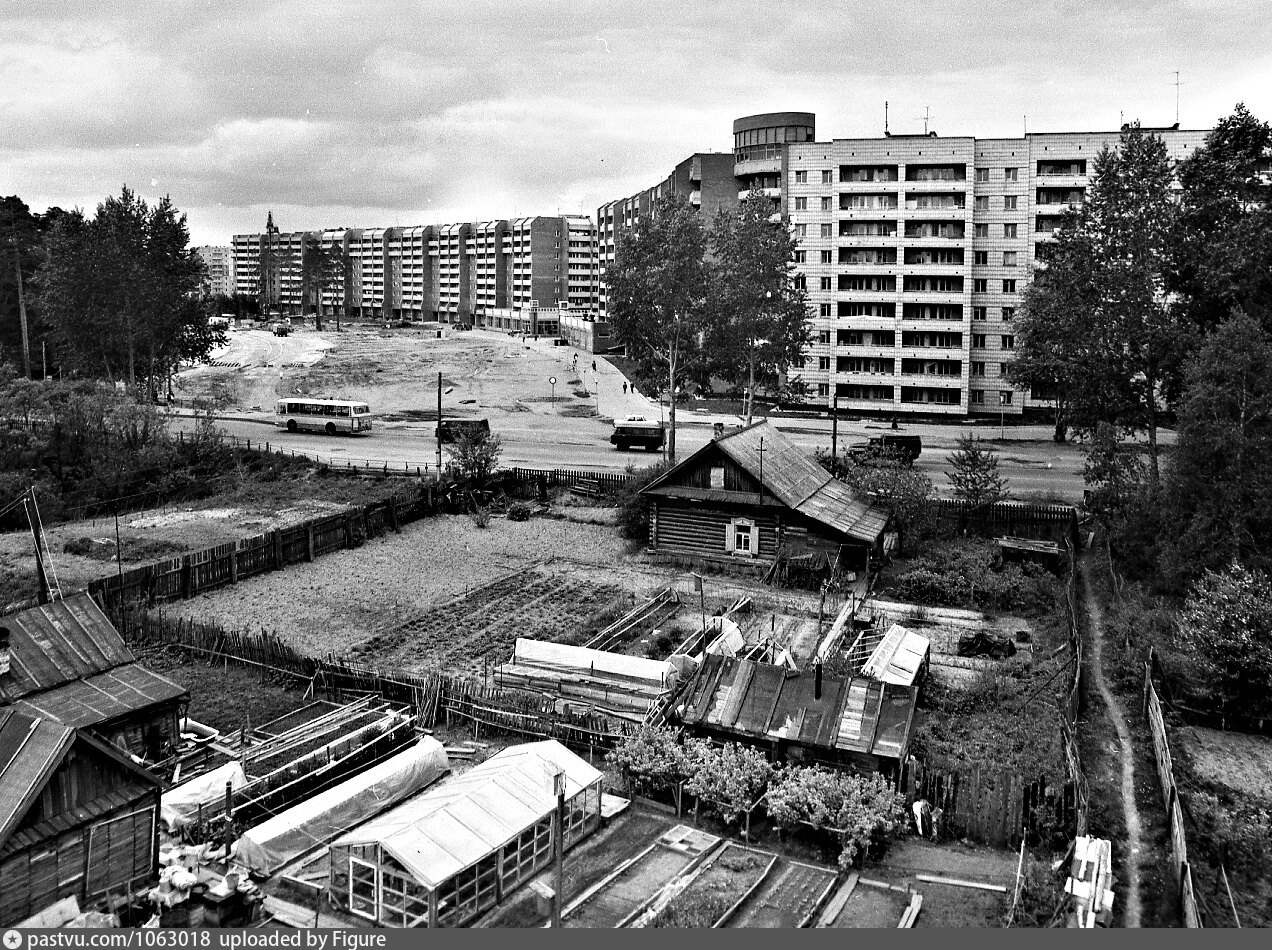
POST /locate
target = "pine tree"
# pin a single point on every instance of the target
(975, 474)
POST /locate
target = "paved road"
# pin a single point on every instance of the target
(1032, 467)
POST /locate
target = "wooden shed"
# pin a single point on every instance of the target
(77, 818)
(853, 721)
(67, 662)
(753, 495)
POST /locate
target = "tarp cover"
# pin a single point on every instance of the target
(315, 821)
(180, 805)
(595, 662)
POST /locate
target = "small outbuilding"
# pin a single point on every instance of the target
(78, 818)
(458, 849)
(754, 495)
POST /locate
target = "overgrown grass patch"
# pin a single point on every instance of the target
(967, 573)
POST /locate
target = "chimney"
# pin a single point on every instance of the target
(4, 650)
(817, 680)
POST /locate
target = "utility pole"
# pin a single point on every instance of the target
(558, 848)
(33, 518)
(22, 314)
(439, 428)
(834, 430)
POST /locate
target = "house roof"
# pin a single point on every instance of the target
(456, 824)
(30, 749)
(794, 478)
(762, 700)
(104, 697)
(59, 642)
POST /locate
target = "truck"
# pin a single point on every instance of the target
(638, 431)
(906, 447)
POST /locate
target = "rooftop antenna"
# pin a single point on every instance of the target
(1026, 118)
(885, 118)
(1177, 85)
(926, 116)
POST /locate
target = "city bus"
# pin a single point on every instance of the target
(323, 415)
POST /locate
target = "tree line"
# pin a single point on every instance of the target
(694, 303)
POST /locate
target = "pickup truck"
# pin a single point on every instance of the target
(907, 447)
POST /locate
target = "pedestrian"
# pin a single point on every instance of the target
(593, 366)
(624, 388)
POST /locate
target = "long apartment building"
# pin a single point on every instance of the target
(453, 273)
(914, 250)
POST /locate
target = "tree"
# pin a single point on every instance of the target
(122, 292)
(1054, 331)
(864, 810)
(633, 507)
(656, 756)
(1219, 483)
(732, 777)
(884, 477)
(1221, 253)
(759, 321)
(22, 237)
(658, 297)
(975, 475)
(475, 456)
(1226, 625)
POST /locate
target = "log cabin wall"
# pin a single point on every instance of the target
(683, 528)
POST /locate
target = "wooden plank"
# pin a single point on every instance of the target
(958, 882)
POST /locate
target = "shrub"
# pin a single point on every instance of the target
(656, 756)
(633, 514)
(963, 573)
(865, 810)
(481, 517)
(519, 511)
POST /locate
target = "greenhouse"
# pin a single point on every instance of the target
(457, 850)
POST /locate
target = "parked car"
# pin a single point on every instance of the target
(907, 447)
(282, 328)
(451, 429)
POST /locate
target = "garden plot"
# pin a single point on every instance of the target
(537, 603)
(707, 895)
(787, 897)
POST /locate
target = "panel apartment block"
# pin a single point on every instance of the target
(219, 262)
(915, 251)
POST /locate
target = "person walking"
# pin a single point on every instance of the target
(593, 366)
(624, 388)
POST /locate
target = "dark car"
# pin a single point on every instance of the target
(906, 447)
(451, 429)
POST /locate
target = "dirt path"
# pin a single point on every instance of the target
(1130, 877)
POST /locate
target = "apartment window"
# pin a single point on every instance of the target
(978, 368)
(1009, 202)
(800, 282)
(978, 395)
(1009, 230)
(1009, 286)
(980, 313)
(981, 231)
(1009, 258)
(827, 230)
(980, 285)
(1004, 397)
(801, 231)
(1011, 174)
(801, 257)
(827, 257)
(824, 310)
(980, 258)
(825, 203)
(823, 389)
(801, 178)
(827, 177)
(981, 203)
(823, 363)
(801, 204)
(823, 336)
(978, 340)
(825, 284)
(1008, 341)
(982, 174)
(1009, 314)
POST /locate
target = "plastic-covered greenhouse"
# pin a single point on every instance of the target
(455, 851)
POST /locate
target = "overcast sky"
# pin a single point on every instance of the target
(387, 112)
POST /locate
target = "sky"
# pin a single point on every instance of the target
(398, 112)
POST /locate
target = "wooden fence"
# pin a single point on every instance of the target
(1073, 704)
(1016, 519)
(433, 696)
(568, 476)
(1152, 710)
(993, 806)
(183, 577)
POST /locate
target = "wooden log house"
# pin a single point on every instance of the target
(753, 495)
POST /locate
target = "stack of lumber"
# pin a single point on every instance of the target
(1090, 885)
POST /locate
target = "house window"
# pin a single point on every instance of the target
(1009, 314)
(823, 363)
(827, 230)
(1011, 174)
(717, 476)
(823, 337)
(982, 230)
(826, 177)
(978, 368)
(978, 395)
(1009, 202)
(1009, 230)
(1009, 258)
(826, 284)
(982, 174)
(981, 203)
(825, 203)
(827, 257)
(823, 389)
(1009, 286)
(801, 178)
(981, 259)
(980, 285)
(1004, 369)
(1004, 398)
(978, 340)
(1009, 341)
(801, 231)
(823, 310)
(800, 282)
(979, 313)
(801, 204)
(801, 257)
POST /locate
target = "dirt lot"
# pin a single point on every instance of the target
(946, 905)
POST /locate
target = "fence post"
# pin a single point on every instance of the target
(234, 564)
(391, 509)
(309, 541)
(348, 529)
(186, 578)
(277, 543)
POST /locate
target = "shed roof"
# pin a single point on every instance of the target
(104, 697)
(59, 642)
(898, 657)
(30, 749)
(769, 701)
(455, 825)
(795, 479)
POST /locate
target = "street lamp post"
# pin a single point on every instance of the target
(552, 383)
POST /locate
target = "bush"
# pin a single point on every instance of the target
(481, 517)
(865, 810)
(633, 514)
(656, 756)
(519, 511)
(731, 778)
(963, 573)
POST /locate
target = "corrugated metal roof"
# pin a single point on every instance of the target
(455, 825)
(59, 642)
(102, 698)
(793, 477)
(30, 749)
(898, 657)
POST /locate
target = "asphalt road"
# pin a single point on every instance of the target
(1033, 465)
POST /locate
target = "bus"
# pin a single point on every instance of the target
(323, 415)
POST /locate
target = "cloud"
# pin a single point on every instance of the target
(481, 109)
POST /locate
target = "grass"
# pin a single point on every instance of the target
(717, 889)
